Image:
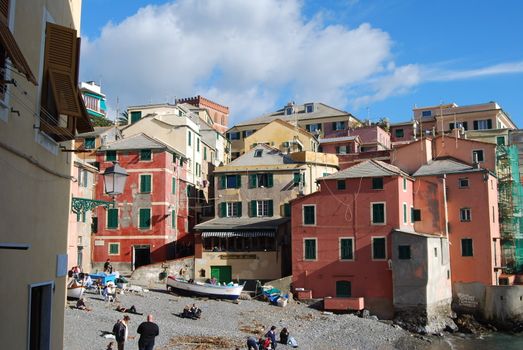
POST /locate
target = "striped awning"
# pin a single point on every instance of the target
(227, 234)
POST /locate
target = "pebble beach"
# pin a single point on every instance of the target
(226, 325)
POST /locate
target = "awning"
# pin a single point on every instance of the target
(228, 234)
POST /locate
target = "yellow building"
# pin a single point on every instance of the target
(39, 116)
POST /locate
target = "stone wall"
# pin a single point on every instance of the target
(504, 304)
(150, 274)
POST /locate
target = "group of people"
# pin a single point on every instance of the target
(269, 340)
(191, 311)
(147, 330)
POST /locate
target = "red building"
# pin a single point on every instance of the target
(150, 220)
(341, 235)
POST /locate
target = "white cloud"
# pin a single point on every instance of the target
(245, 54)
(447, 75)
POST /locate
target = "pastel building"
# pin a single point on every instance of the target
(355, 240)
(149, 222)
(218, 113)
(94, 99)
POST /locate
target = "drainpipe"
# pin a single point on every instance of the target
(445, 206)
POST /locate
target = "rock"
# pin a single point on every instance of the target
(373, 317)
(365, 313)
(468, 324)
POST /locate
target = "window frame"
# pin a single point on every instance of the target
(117, 219)
(460, 185)
(340, 249)
(305, 239)
(140, 177)
(402, 257)
(465, 214)
(262, 204)
(471, 247)
(303, 214)
(482, 155)
(91, 139)
(109, 248)
(140, 152)
(396, 131)
(373, 185)
(343, 184)
(384, 214)
(234, 212)
(404, 185)
(115, 156)
(405, 213)
(140, 218)
(372, 248)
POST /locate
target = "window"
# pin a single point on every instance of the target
(340, 184)
(310, 248)
(83, 178)
(197, 144)
(346, 249)
(189, 138)
(404, 252)
(145, 183)
(198, 169)
(136, 116)
(340, 125)
(114, 248)
(230, 181)
(145, 155)
(39, 308)
(289, 110)
(112, 218)
(110, 156)
(463, 182)
(464, 214)
(343, 289)
(173, 218)
(258, 153)
(173, 186)
(377, 183)
(426, 113)
(89, 143)
(379, 251)
(262, 208)
(477, 155)
(500, 140)
(309, 108)
(287, 210)
(435, 252)
(378, 213)
(483, 124)
(299, 177)
(399, 133)
(145, 218)
(261, 180)
(233, 209)
(204, 153)
(466, 247)
(313, 127)
(404, 184)
(415, 215)
(233, 135)
(309, 215)
(405, 213)
(247, 133)
(341, 149)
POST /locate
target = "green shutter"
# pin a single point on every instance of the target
(287, 210)
(404, 213)
(378, 248)
(173, 186)
(239, 209)
(378, 215)
(189, 137)
(270, 181)
(112, 218)
(309, 215)
(346, 249)
(223, 180)
(135, 116)
(113, 248)
(271, 207)
(310, 249)
(89, 143)
(110, 156)
(145, 218)
(297, 178)
(145, 154)
(253, 212)
(205, 153)
(145, 183)
(238, 181)
(252, 180)
(303, 179)
(173, 218)
(222, 210)
(343, 289)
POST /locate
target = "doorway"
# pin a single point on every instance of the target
(222, 273)
(141, 255)
(40, 302)
(343, 289)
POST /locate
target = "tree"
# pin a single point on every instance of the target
(100, 121)
(123, 119)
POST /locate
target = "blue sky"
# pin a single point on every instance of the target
(376, 58)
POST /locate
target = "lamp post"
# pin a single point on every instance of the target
(114, 180)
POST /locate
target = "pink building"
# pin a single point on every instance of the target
(342, 239)
(150, 221)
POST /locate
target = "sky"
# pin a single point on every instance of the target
(373, 59)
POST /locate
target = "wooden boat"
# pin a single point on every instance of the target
(75, 290)
(182, 286)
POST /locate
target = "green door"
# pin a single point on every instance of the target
(222, 273)
(343, 289)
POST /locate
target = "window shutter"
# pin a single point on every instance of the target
(239, 208)
(173, 218)
(222, 209)
(238, 181)
(252, 180)
(451, 126)
(297, 178)
(271, 207)
(222, 181)
(145, 184)
(4, 8)
(173, 186)
(303, 179)
(337, 149)
(145, 218)
(475, 125)
(489, 123)
(244, 133)
(270, 181)
(253, 212)
(308, 127)
(287, 210)
(112, 218)
(465, 125)
(333, 125)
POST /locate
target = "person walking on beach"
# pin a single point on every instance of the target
(148, 331)
(272, 336)
(121, 331)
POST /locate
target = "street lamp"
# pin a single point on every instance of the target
(114, 180)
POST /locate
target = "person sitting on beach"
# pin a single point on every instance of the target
(80, 305)
(284, 336)
(131, 310)
(213, 280)
(252, 343)
(195, 311)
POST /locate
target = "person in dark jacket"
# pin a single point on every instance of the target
(272, 336)
(121, 332)
(148, 331)
(284, 336)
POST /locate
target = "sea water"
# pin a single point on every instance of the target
(491, 341)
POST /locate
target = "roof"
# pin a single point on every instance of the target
(367, 168)
(269, 156)
(138, 141)
(242, 223)
(445, 166)
(98, 130)
(430, 235)
(340, 139)
(288, 125)
(321, 110)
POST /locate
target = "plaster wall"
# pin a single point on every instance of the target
(461, 149)
(411, 157)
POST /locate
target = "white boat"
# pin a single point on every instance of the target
(182, 286)
(75, 290)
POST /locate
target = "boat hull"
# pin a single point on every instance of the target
(204, 290)
(75, 292)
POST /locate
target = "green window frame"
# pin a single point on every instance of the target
(197, 144)
(145, 183)
(310, 248)
(346, 249)
(467, 248)
(378, 213)
(204, 153)
(136, 116)
(404, 252)
(343, 289)
(405, 217)
(173, 185)
(110, 156)
(145, 218)
(114, 248)
(309, 215)
(173, 218)
(341, 184)
(112, 218)
(145, 155)
(377, 183)
(399, 133)
(189, 138)
(379, 248)
(90, 143)
(287, 210)
(404, 184)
